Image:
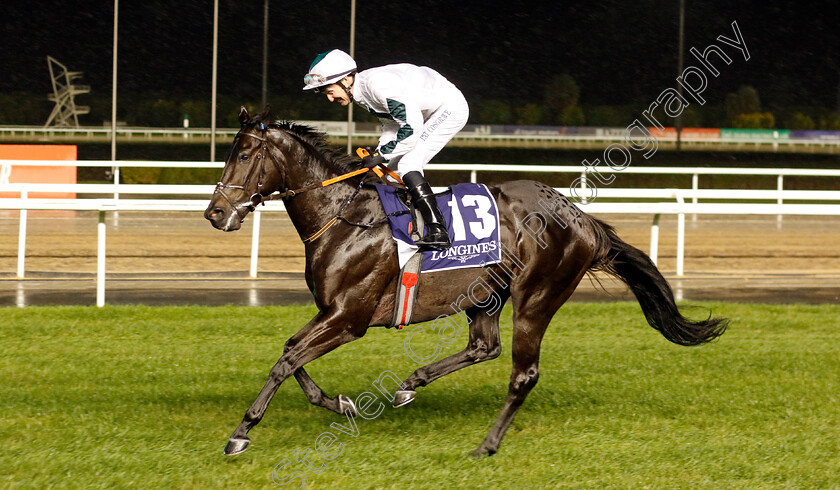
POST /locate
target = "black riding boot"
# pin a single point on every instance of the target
(436, 237)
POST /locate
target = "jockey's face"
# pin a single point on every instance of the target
(336, 93)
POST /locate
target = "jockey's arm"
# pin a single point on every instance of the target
(402, 132)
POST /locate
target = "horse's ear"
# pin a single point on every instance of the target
(243, 115)
(266, 114)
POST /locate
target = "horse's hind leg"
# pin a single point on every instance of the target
(530, 320)
(483, 345)
(316, 395)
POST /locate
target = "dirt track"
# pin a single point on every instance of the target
(723, 255)
(182, 242)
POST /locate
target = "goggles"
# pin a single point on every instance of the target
(314, 79)
(317, 82)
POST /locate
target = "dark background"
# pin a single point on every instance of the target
(618, 52)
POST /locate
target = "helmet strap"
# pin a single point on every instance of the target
(347, 88)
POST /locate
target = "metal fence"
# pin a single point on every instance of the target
(471, 135)
(678, 202)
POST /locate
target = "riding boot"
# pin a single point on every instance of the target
(435, 235)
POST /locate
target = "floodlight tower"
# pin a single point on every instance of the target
(66, 112)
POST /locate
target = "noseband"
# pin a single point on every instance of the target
(258, 197)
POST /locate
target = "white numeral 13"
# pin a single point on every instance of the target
(482, 229)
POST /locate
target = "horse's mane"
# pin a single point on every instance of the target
(308, 135)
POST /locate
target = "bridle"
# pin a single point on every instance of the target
(258, 197)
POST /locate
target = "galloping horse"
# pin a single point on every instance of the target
(352, 267)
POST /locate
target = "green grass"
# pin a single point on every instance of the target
(146, 397)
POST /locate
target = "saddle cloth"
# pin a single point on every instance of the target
(472, 220)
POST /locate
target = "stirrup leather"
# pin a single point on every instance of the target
(422, 197)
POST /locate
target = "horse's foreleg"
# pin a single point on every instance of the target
(484, 344)
(316, 395)
(319, 336)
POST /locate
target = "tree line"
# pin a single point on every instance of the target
(559, 105)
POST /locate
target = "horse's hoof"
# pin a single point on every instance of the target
(345, 404)
(482, 452)
(403, 397)
(237, 445)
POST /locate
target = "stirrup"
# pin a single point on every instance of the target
(423, 199)
(435, 240)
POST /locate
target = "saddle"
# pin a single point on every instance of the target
(470, 212)
(409, 278)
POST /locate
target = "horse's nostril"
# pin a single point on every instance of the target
(215, 214)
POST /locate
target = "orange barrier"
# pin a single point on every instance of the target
(694, 133)
(19, 174)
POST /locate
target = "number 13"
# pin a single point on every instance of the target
(480, 229)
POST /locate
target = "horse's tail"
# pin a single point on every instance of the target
(619, 259)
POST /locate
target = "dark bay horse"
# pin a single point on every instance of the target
(352, 268)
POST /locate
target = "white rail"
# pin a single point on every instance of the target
(104, 206)
(670, 201)
(577, 169)
(586, 180)
(679, 208)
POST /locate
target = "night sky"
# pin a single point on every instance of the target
(619, 52)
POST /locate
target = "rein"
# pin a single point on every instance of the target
(324, 183)
(258, 198)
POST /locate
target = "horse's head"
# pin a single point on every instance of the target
(252, 171)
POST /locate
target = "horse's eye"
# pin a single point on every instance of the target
(243, 157)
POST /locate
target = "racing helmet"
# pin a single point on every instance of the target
(328, 68)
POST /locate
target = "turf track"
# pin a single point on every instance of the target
(146, 397)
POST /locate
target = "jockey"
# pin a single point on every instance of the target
(420, 111)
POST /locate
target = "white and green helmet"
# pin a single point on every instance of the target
(329, 67)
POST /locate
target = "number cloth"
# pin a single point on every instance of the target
(472, 221)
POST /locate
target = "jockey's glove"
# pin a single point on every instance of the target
(372, 160)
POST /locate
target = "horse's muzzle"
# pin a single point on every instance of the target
(222, 219)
